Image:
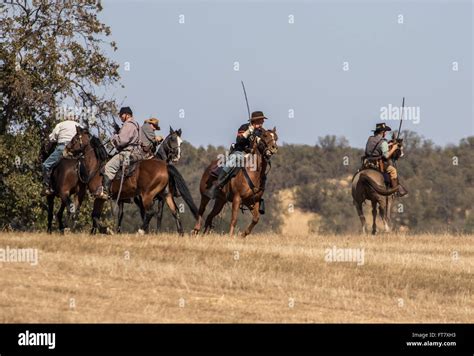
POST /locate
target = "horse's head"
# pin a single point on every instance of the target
(171, 146)
(267, 145)
(78, 143)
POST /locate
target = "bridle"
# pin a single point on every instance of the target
(171, 148)
(266, 151)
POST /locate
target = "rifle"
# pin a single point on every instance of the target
(399, 153)
(246, 100)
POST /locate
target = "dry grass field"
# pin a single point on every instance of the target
(214, 278)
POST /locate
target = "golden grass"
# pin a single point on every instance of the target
(264, 278)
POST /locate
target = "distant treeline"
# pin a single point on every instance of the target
(439, 180)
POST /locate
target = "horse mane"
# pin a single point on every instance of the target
(99, 149)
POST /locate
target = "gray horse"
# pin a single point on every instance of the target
(368, 184)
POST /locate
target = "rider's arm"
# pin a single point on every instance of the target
(386, 151)
(53, 137)
(125, 136)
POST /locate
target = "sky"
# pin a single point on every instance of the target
(314, 68)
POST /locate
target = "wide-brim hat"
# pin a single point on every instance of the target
(153, 121)
(258, 115)
(125, 110)
(381, 127)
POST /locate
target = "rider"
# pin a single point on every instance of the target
(380, 150)
(127, 142)
(246, 134)
(149, 140)
(62, 134)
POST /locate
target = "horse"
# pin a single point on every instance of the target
(369, 184)
(67, 180)
(149, 179)
(170, 152)
(244, 189)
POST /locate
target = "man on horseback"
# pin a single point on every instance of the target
(127, 143)
(379, 154)
(246, 135)
(150, 141)
(62, 135)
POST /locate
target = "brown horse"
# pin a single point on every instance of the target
(149, 179)
(170, 152)
(238, 189)
(70, 180)
(67, 186)
(369, 184)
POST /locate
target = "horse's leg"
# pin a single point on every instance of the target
(175, 212)
(148, 203)
(138, 201)
(159, 213)
(255, 218)
(384, 211)
(120, 216)
(74, 209)
(374, 217)
(360, 212)
(216, 209)
(235, 210)
(202, 208)
(50, 200)
(96, 213)
(59, 215)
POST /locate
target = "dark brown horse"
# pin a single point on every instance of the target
(71, 191)
(70, 181)
(369, 184)
(238, 190)
(149, 179)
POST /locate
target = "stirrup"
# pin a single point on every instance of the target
(102, 194)
(47, 191)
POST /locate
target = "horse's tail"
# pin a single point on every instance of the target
(183, 189)
(376, 186)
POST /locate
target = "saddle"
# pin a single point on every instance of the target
(129, 170)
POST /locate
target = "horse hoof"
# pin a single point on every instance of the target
(141, 232)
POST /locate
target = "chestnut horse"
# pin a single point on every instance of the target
(170, 152)
(238, 189)
(149, 179)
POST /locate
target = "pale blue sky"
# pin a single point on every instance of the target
(296, 66)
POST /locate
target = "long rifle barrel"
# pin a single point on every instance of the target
(401, 118)
(246, 100)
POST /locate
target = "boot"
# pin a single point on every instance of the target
(217, 185)
(401, 190)
(104, 190)
(47, 190)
